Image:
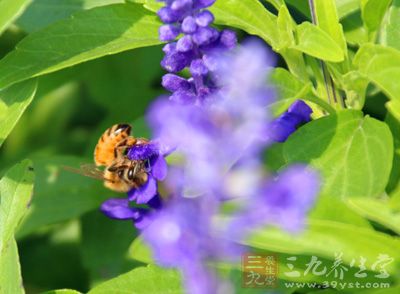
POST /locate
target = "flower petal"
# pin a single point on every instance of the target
(145, 193)
(118, 208)
(159, 168)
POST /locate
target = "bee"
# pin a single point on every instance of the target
(120, 173)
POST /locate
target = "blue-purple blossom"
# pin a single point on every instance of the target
(152, 154)
(228, 127)
(183, 236)
(220, 142)
(283, 201)
(282, 127)
(121, 209)
(198, 41)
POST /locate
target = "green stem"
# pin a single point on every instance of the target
(334, 98)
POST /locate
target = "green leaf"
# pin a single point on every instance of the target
(103, 255)
(10, 270)
(10, 10)
(394, 108)
(325, 238)
(391, 30)
(342, 148)
(13, 102)
(334, 209)
(289, 89)
(346, 7)
(248, 15)
(373, 11)
(140, 251)
(15, 194)
(394, 124)
(354, 29)
(61, 195)
(44, 12)
(315, 42)
(150, 279)
(286, 28)
(78, 39)
(381, 65)
(328, 20)
(378, 211)
(355, 86)
(62, 291)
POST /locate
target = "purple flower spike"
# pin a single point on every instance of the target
(173, 83)
(204, 18)
(205, 35)
(168, 32)
(184, 44)
(197, 68)
(228, 39)
(199, 39)
(181, 4)
(175, 61)
(189, 25)
(183, 97)
(169, 48)
(203, 3)
(283, 202)
(167, 15)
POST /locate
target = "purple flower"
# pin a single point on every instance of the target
(198, 41)
(282, 127)
(181, 235)
(282, 202)
(153, 154)
(120, 209)
(227, 127)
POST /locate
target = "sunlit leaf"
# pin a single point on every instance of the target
(15, 195)
(61, 195)
(78, 39)
(325, 238)
(373, 12)
(378, 211)
(150, 279)
(44, 12)
(62, 291)
(328, 21)
(381, 65)
(342, 148)
(10, 10)
(391, 29)
(315, 42)
(13, 102)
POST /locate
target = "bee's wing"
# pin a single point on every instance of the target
(88, 170)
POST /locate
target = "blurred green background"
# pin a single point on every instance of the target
(70, 111)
